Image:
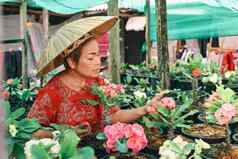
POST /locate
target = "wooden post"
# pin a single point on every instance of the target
(114, 46)
(162, 43)
(147, 32)
(45, 15)
(45, 20)
(23, 35)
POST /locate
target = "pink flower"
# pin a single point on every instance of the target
(134, 130)
(168, 102)
(9, 81)
(112, 90)
(114, 132)
(225, 114)
(5, 94)
(137, 143)
(136, 139)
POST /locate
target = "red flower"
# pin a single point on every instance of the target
(196, 72)
(5, 94)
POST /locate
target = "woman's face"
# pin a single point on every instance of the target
(89, 63)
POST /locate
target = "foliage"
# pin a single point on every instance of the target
(183, 69)
(172, 118)
(18, 131)
(224, 95)
(180, 149)
(63, 147)
(19, 96)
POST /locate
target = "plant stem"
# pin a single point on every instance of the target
(228, 135)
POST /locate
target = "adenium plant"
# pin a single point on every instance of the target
(169, 115)
(121, 137)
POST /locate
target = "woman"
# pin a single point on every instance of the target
(59, 101)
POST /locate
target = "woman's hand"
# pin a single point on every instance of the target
(83, 129)
(154, 102)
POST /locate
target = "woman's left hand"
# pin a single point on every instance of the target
(154, 102)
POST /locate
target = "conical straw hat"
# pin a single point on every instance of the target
(79, 30)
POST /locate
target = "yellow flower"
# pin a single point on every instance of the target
(12, 130)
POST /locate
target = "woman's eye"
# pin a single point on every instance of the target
(90, 59)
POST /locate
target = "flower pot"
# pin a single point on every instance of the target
(209, 133)
(182, 84)
(137, 156)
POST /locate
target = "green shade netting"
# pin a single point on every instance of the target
(61, 6)
(186, 18)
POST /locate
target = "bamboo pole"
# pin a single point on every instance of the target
(114, 46)
(147, 37)
(162, 43)
(23, 35)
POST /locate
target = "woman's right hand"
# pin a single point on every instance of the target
(83, 129)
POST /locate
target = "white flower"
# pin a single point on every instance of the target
(213, 78)
(179, 140)
(166, 153)
(139, 94)
(12, 130)
(55, 148)
(228, 74)
(46, 141)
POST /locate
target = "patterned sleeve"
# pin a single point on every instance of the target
(44, 108)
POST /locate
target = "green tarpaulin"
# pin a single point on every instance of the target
(186, 18)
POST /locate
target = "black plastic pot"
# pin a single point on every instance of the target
(149, 153)
(210, 140)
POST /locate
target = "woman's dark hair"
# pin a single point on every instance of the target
(75, 55)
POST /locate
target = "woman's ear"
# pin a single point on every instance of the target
(71, 63)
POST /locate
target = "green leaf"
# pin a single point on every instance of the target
(28, 125)
(18, 113)
(90, 102)
(69, 144)
(19, 151)
(39, 152)
(164, 111)
(101, 136)
(188, 148)
(121, 146)
(86, 153)
(151, 124)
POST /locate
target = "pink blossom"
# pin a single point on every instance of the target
(9, 81)
(134, 130)
(137, 143)
(5, 94)
(225, 114)
(114, 132)
(134, 133)
(112, 90)
(168, 102)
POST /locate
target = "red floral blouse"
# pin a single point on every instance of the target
(57, 103)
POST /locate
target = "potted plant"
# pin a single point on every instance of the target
(170, 116)
(18, 130)
(178, 148)
(62, 146)
(124, 141)
(210, 131)
(17, 95)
